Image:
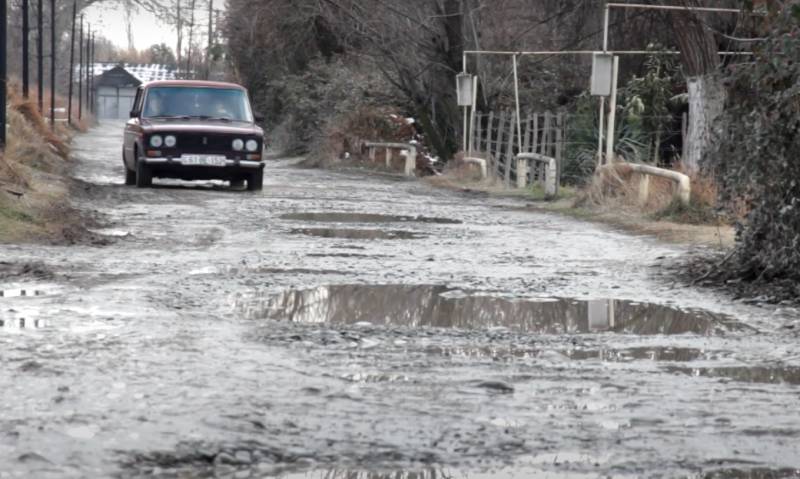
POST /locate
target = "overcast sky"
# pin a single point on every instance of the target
(108, 19)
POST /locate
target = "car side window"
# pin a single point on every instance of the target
(137, 102)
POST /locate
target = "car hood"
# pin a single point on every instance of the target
(201, 126)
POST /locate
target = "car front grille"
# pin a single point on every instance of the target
(202, 143)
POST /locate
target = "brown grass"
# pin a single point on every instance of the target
(34, 181)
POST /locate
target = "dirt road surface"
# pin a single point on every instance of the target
(357, 325)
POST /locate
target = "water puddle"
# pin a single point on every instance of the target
(440, 306)
(356, 234)
(366, 218)
(23, 324)
(778, 374)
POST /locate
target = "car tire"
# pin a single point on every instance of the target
(130, 177)
(237, 183)
(255, 182)
(144, 175)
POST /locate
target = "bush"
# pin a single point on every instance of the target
(757, 155)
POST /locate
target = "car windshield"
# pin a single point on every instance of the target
(197, 102)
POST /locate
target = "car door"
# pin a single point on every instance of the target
(133, 130)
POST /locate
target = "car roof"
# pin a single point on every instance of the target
(192, 83)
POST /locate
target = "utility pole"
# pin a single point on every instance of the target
(71, 61)
(210, 38)
(180, 35)
(80, 73)
(91, 73)
(26, 33)
(40, 55)
(89, 66)
(53, 64)
(3, 24)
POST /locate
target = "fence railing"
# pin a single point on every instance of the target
(494, 136)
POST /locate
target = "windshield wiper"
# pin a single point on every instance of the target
(211, 118)
(170, 117)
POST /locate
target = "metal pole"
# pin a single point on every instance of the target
(612, 113)
(471, 142)
(90, 79)
(516, 99)
(26, 33)
(466, 133)
(80, 72)
(40, 55)
(71, 61)
(3, 31)
(210, 37)
(52, 64)
(602, 115)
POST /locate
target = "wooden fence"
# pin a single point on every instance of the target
(494, 137)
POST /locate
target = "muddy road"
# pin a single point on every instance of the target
(345, 325)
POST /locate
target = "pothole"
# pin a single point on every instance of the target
(357, 234)
(365, 218)
(444, 307)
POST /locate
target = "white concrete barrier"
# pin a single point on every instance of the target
(550, 176)
(683, 190)
(411, 156)
(481, 163)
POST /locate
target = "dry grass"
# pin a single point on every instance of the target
(34, 181)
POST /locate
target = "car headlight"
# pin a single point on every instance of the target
(238, 144)
(156, 141)
(252, 146)
(170, 141)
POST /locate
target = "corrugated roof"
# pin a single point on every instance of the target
(143, 72)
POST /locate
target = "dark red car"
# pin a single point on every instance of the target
(193, 130)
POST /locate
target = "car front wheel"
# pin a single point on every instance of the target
(144, 176)
(255, 182)
(130, 177)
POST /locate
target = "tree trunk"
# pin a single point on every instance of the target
(700, 58)
(706, 102)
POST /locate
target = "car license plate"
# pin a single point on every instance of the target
(203, 160)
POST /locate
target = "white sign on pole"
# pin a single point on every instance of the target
(464, 83)
(602, 73)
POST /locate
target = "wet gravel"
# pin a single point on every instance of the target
(354, 325)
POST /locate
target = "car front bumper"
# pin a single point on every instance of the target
(176, 162)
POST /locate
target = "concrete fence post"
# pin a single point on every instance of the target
(388, 157)
(683, 192)
(551, 179)
(522, 172)
(411, 161)
(644, 189)
(372, 154)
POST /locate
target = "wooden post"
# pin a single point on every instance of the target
(495, 153)
(26, 53)
(489, 128)
(71, 61)
(3, 71)
(476, 135)
(53, 64)
(509, 159)
(40, 55)
(545, 144)
(80, 72)
(559, 145)
(534, 145)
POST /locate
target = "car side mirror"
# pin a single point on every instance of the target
(259, 117)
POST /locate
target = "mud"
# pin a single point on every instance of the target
(181, 348)
(339, 217)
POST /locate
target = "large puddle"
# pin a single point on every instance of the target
(357, 234)
(365, 218)
(443, 307)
